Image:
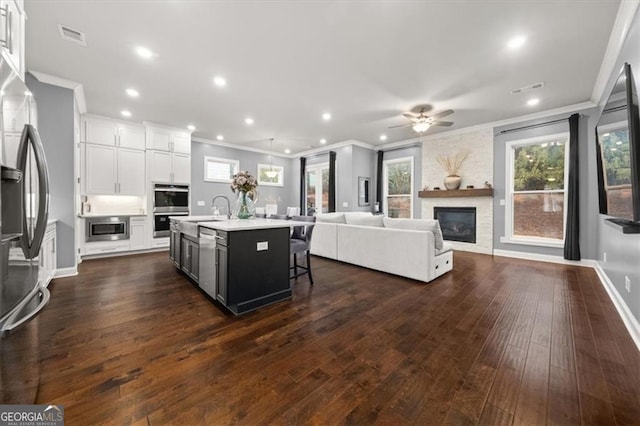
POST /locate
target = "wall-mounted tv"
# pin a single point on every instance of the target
(618, 154)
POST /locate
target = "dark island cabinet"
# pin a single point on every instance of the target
(190, 256)
(252, 268)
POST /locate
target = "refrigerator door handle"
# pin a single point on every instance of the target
(31, 243)
(13, 323)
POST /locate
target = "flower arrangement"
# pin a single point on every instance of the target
(452, 163)
(244, 182)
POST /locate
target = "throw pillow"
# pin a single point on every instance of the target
(365, 220)
(337, 217)
(419, 225)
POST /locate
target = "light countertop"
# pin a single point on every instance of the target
(112, 214)
(248, 224)
(196, 218)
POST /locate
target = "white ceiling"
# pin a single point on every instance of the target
(288, 62)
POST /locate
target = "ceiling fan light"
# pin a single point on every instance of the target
(421, 127)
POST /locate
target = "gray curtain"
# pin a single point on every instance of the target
(572, 235)
(379, 182)
(332, 181)
(303, 186)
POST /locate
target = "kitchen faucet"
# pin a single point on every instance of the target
(228, 204)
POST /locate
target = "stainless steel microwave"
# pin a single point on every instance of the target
(109, 228)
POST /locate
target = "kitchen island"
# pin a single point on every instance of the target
(242, 264)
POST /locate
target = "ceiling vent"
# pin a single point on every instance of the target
(528, 88)
(72, 35)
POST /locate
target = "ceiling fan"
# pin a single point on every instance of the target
(420, 121)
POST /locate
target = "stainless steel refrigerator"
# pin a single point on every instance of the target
(24, 205)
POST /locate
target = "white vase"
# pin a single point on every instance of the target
(452, 182)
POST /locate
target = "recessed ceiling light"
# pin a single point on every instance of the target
(191, 127)
(323, 141)
(125, 113)
(219, 81)
(220, 137)
(533, 101)
(27, 93)
(248, 121)
(287, 151)
(144, 52)
(516, 42)
(133, 93)
(383, 137)
(326, 116)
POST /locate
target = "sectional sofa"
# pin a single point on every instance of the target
(411, 248)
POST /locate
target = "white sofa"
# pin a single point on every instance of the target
(411, 248)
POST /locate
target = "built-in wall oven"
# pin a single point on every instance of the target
(161, 225)
(168, 200)
(109, 228)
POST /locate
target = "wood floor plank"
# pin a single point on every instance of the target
(130, 340)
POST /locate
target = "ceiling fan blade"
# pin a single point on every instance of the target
(409, 115)
(400, 125)
(442, 123)
(442, 114)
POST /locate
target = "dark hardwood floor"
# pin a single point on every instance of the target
(497, 341)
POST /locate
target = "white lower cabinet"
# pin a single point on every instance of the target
(47, 256)
(138, 233)
(105, 247)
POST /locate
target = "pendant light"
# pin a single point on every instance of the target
(271, 173)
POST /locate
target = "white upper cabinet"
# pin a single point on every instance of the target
(131, 137)
(181, 168)
(100, 170)
(106, 131)
(168, 139)
(12, 24)
(169, 167)
(110, 170)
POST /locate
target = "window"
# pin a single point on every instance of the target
(264, 178)
(220, 169)
(317, 188)
(535, 186)
(398, 187)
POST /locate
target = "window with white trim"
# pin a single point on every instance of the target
(220, 169)
(398, 187)
(317, 188)
(536, 178)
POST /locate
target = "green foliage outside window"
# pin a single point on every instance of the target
(399, 178)
(539, 167)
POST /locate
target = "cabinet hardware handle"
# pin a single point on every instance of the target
(4, 12)
(10, 31)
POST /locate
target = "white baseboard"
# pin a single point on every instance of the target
(66, 272)
(623, 310)
(630, 322)
(544, 258)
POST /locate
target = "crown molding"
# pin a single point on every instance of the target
(619, 32)
(327, 148)
(165, 126)
(239, 147)
(78, 89)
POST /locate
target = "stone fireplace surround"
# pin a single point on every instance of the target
(477, 169)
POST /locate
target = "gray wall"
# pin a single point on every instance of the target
(623, 250)
(363, 165)
(587, 176)
(55, 125)
(351, 161)
(205, 191)
(416, 153)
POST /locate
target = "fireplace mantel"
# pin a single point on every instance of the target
(457, 193)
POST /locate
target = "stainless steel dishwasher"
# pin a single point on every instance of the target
(207, 275)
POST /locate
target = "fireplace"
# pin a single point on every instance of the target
(457, 223)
